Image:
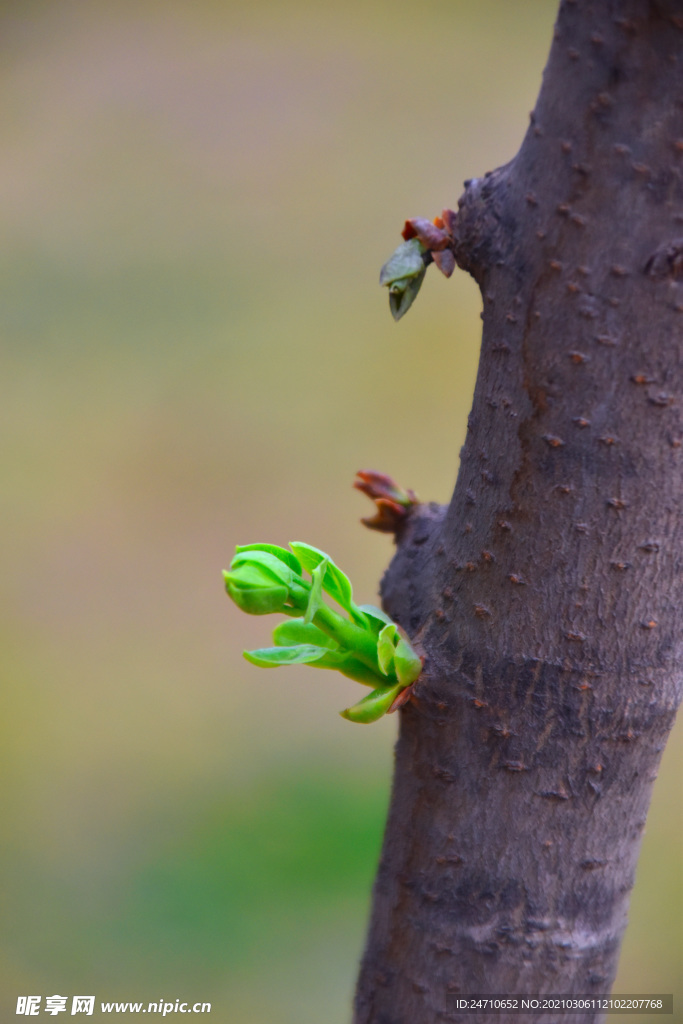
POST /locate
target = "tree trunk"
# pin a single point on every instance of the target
(546, 597)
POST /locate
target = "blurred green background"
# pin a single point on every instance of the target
(195, 200)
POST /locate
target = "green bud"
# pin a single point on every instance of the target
(265, 562)
(404, 263)
(255, 591)
(402, 295)
(403, 274)
(257, 601)
(282, 553)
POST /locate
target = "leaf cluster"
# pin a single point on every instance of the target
(359, 641)
(424, 242)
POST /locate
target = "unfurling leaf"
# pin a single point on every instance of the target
(407, 664)
(296, 631)
(386, 645)
(335, 582)
(255, 592)
(377, 618)
(264, 562)
(403, 274)
(316, 596)
(405, 262)
(373, 706)
(273, 549)
(296, 634)
(425, 242)
(402, 294)
(360, 673)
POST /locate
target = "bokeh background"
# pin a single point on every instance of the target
(195, 200)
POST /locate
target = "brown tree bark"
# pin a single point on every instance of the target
(547, 597)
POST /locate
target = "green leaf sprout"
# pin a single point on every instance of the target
(403, 274)
(363, 644)
(424, 242)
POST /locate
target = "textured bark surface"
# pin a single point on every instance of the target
(547, 596)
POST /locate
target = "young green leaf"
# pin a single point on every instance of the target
(272, 657)
(266, 563)
(316, 596)
(407, 663)
(376, 617)
(360, 673)
(404, 263)
(403, 274)
(402, 294)
(344, 662)
(309, 556)
(295, 631)
(335, 582)
(255, 592)
(282, 553)
(373, 706)
(317, 657)
(386, 645)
